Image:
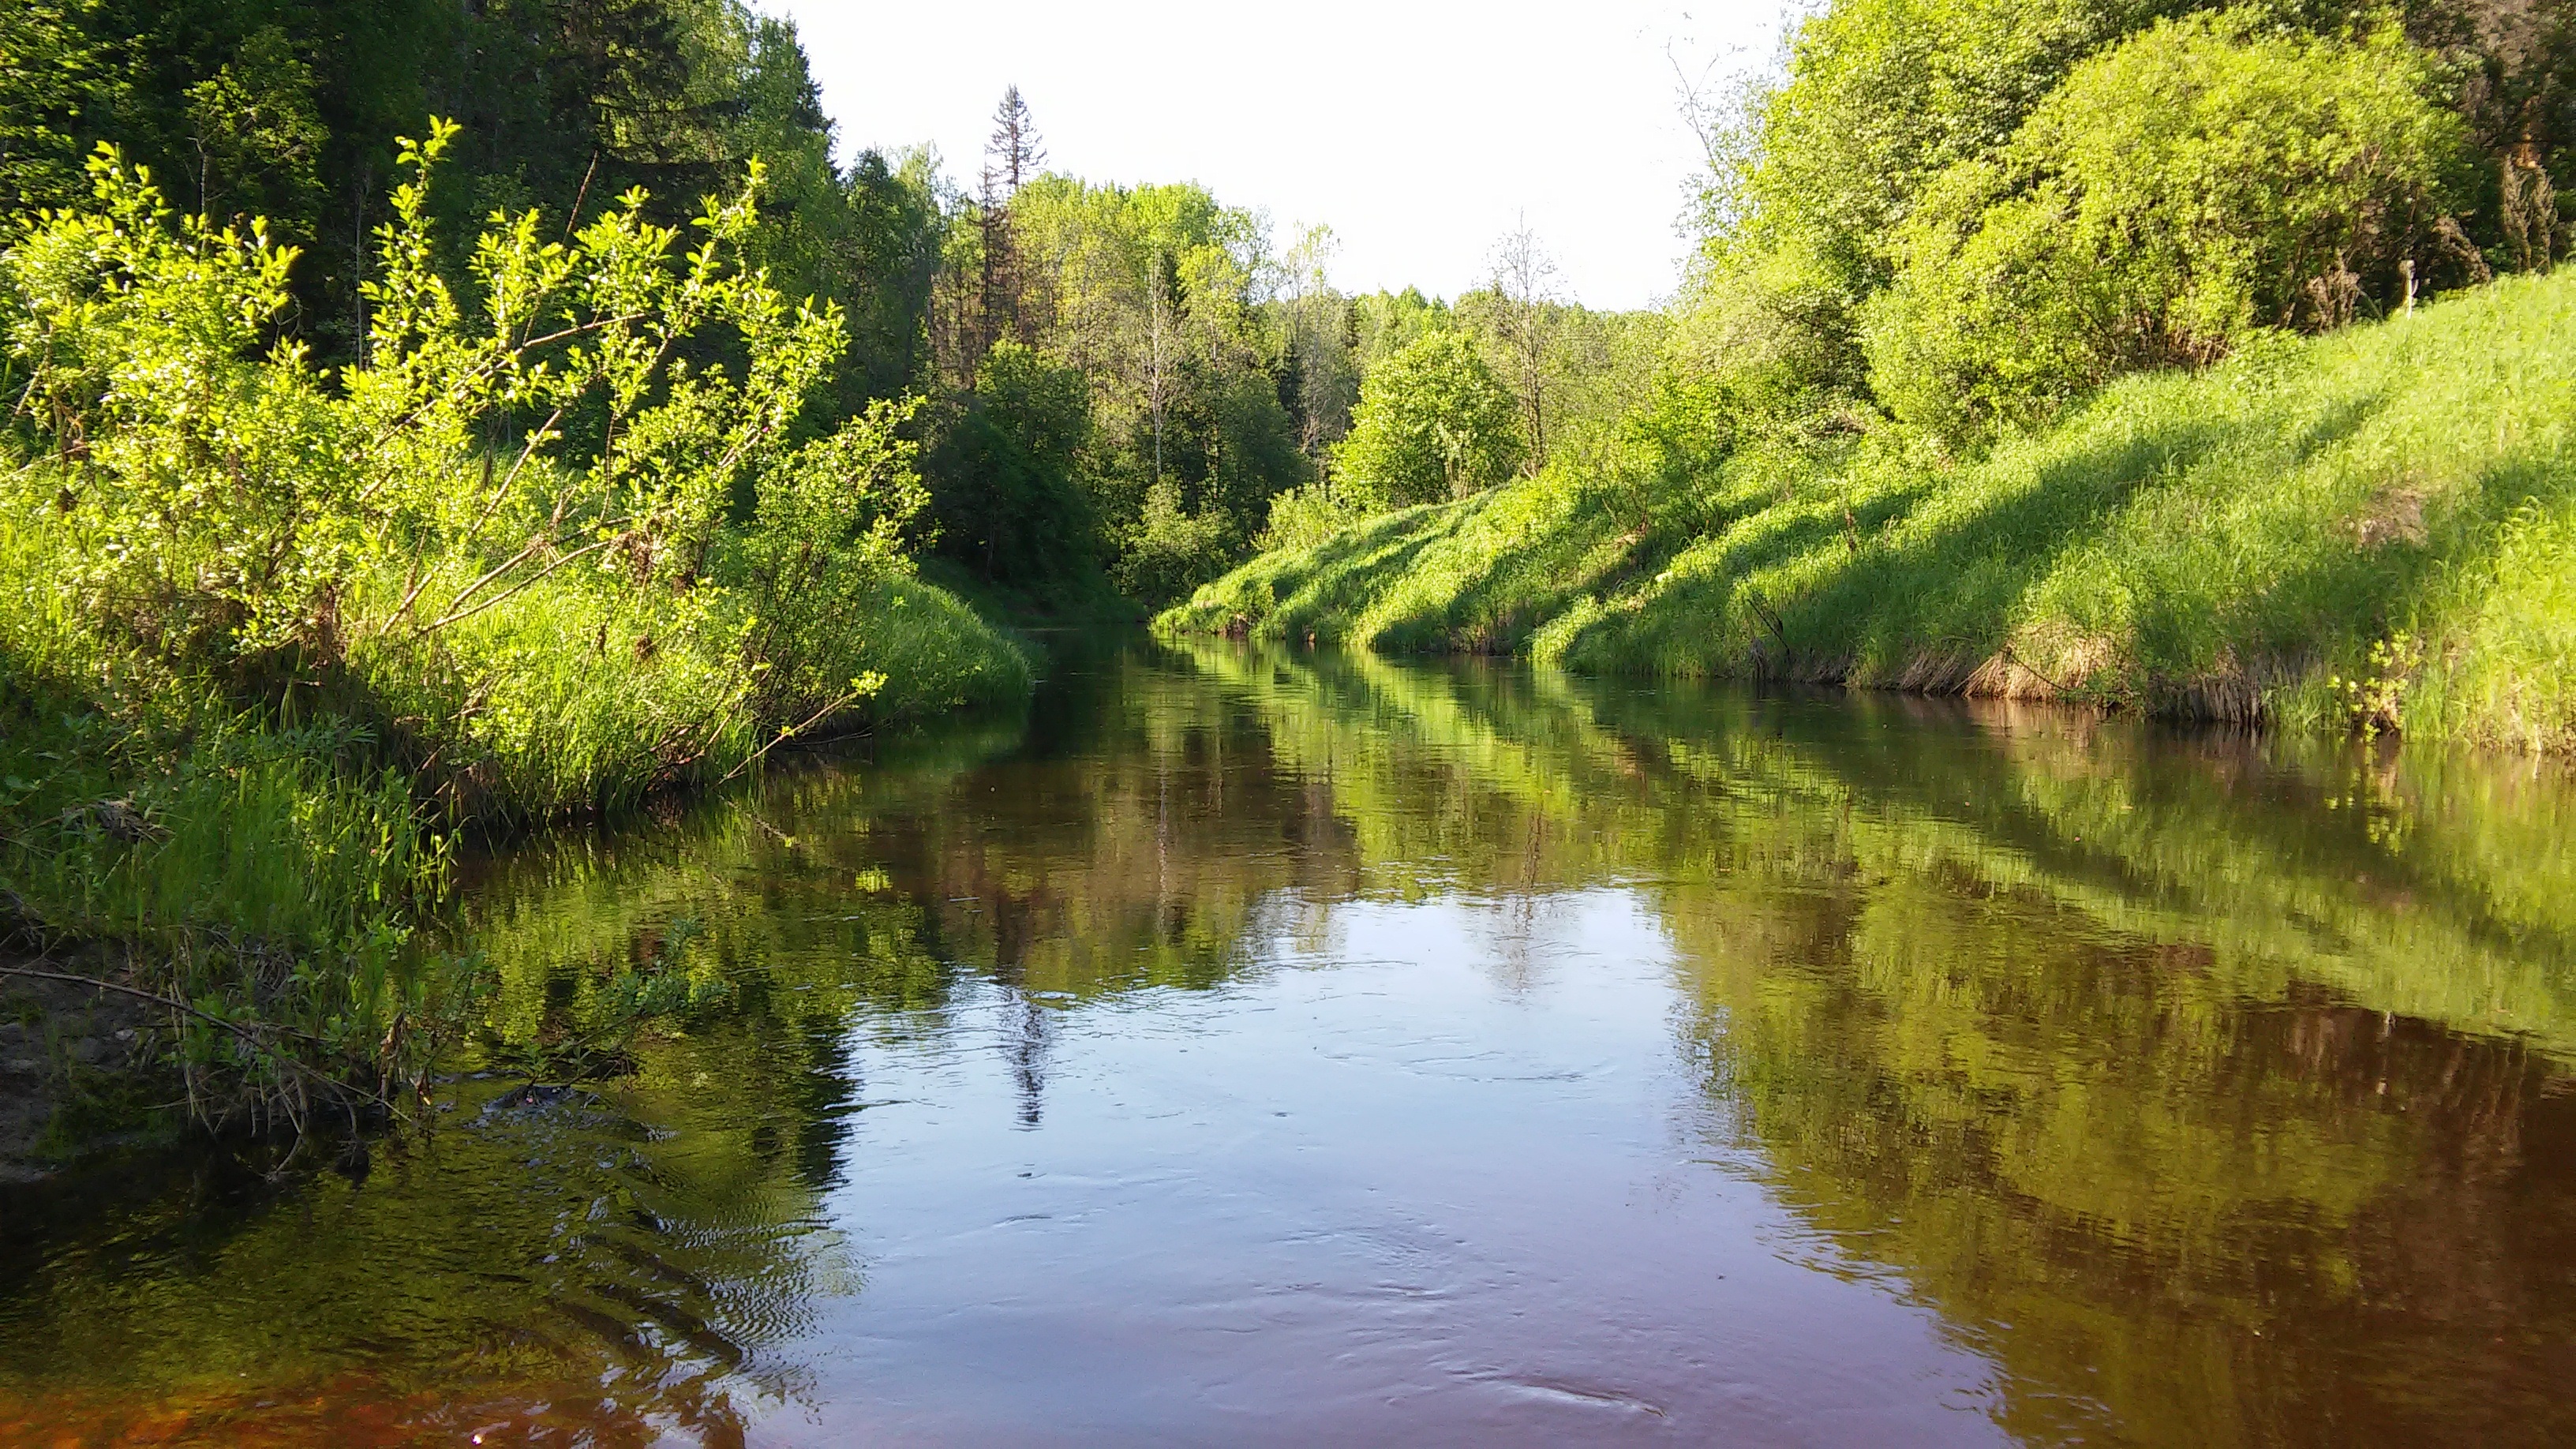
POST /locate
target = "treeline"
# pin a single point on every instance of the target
(289, 110)
(1118, 379)
(425, 419)
(1133, 378)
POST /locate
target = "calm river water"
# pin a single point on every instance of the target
(1258, 1048)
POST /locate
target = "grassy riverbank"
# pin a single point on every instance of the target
(2392, 504)
(273, 638)
(250, 871)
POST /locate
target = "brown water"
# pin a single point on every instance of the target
(1259, 1048)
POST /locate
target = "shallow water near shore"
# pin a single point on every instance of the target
(1258, 1047)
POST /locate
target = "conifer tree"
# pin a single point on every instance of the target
(1011, 158)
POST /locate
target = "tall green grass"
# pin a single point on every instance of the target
(934, 653)
(2371, 526)
(573, 699)
(258, 884)
(258, 853)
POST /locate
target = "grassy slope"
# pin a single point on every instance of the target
(2219, 545)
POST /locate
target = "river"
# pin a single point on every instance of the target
(1251, 1047)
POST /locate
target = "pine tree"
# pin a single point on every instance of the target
(1011, 158)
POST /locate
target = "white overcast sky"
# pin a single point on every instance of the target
(1419, 132)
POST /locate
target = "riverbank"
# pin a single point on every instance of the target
(2373, 527)
(254, 878)
(274, 642)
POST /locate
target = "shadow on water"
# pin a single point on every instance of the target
(2208, 1089)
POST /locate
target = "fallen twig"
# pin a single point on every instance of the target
(2025, 665)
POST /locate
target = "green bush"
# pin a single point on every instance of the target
(1768, 334)
(1305, 516)
(227, 499)
(1004, 475)
(826, 533)
(1169, 549)
(504, 540)
(2200, 181)
(265, 630)
(1432, 424)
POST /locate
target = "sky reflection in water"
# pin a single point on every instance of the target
(1266, 1048)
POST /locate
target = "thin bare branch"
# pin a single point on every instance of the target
(454, 616)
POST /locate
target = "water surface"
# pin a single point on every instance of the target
(1266, 1048)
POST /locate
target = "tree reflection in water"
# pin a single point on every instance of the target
(2216, 1090)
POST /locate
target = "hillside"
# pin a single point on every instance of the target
(2393, 504)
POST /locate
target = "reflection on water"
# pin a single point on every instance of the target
(1267, 1047)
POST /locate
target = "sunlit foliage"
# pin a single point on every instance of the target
(1433, 424)
(2180, 190)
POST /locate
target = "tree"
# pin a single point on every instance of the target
(257, 137)
(886, 260)
(1433, 423)
(54, 74)
(1385, 323)
(1524, 285)
(1168, 551)
(2203, 179)
(1324, 381)
(1160, 302)
(1883, 95)
(1005, 477)
(2513, 68)
(282, 109)
(1011, 158)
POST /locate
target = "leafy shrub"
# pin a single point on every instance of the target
(504, 538)
(2202, 180)
(1647, 468)
(1768, 332)
(1432, 424)
(826, 533)
(228, 498)
(251, 612)
(1305, 516)
(1169, 549)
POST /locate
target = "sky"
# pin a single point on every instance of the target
(1420, 133)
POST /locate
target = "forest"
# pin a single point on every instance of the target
(1110, 383)
(427, 422)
